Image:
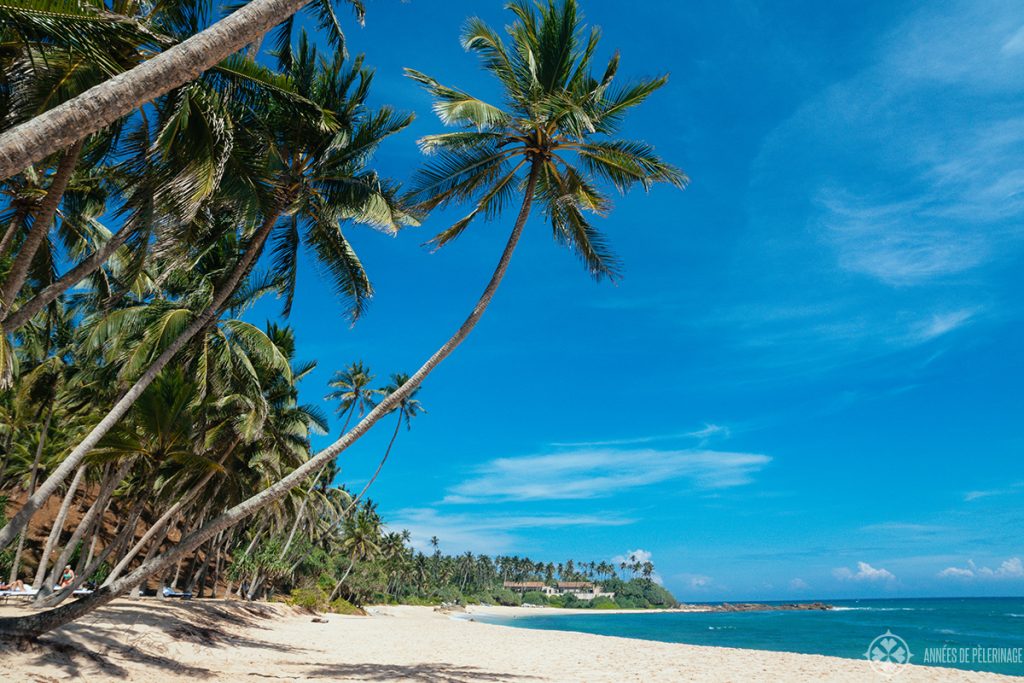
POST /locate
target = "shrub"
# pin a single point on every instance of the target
(420, 601)
(570, 600)
(343, 606)
(603, 602)
(535, 598)
(309, 598)
(504, 596)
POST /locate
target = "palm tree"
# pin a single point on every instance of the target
(407, 409)
(319, 179)
(103, 104)
(351, 390)
(360, 542)
(557, 111)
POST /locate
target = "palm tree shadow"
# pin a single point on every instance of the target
(87, 648)
(427, 672)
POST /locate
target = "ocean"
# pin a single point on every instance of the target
(984, 634)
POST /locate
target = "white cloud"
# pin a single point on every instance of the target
(1013, 568)
(486, 533)
(942, 323)
(865, 572)
(1015, 45)
(978, 495)
(956, 572)
(907, 202)
(904, 528)
(638, 555)
(696, 582)
(706, 432)
(594, 473)
(894, 242)
(798, 584)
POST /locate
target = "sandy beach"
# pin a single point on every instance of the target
(153, 640)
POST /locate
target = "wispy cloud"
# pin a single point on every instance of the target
(971, 496)
(696, 582)
(705, 433)
(488, 533)
(1013, 568)
(904, 528)
(865, 572)
(596, 473)
(893, 242)
(906, 206)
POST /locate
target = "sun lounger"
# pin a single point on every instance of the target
(168, 593)
(27, 593)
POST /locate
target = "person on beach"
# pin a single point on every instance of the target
(66, 577)
(16, 586)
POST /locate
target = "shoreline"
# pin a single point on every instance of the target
(215, 640)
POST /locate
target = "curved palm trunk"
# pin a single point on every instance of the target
(40, 227)
(58, 526)
(103, 104)
(116, 545)
(380, 466)
(29, 627)
(16, 564)
(341, 581)
(159, 524)
(305, 500)
(12, 229)
(93, 517)
(49, 294)
(74, 459)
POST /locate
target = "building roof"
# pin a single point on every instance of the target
(575, 584)
(524, 584)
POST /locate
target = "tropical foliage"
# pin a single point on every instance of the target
(152, 432)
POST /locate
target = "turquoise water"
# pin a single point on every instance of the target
(843, 632)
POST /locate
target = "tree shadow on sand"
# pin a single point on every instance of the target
(427, 672)
(90, 644)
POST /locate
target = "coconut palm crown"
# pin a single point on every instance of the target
(558, 121)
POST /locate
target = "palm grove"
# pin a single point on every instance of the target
(151, 434)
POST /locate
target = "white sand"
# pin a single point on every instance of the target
(154, 640)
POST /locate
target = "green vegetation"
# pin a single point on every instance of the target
(161, 429)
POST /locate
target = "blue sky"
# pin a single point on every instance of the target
(808, 384)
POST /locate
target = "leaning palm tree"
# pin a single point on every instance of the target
(320, 180)
(101, 105)
(409, 408)
(555, 113)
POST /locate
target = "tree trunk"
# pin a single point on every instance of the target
(12, 228)
(40, 226)
(218, 566)
(116, 545)
(137, 588)
(380, 466)
(58, 527)
(94, 515)
(16, 563)
(33, 626)
(49, 294)
(337, 586)
(23, 516)
(254, 585)
(309, 491)
(167, 516)
(103, 104)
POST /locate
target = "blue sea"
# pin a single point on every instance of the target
(985, 634)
